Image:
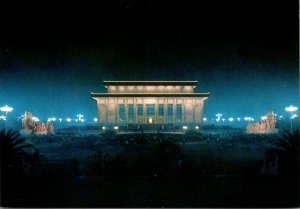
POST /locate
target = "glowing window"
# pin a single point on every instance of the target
(160, 110)
(179, 112)
(130, 113)
(150, 109)
(140, 110)
(170, 113)
(121, 112)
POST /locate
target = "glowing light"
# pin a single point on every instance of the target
(6, 109)
(60, 119)
(49, 120)
(35, 119)
(150, 120)
(263, 117)
(294, 116)
(223, 119)
(197, 127)
(81, 120)
(79, 116)
(116, 127)
(95, 120)
(184, 127)
(239, 119)
(204, 119)
(68, 120)
(2, 117)
(219, 115)
(291, 109)
(230, 119)
(103, 127)
(53, 119)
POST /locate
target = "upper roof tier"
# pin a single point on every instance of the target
(150, 83)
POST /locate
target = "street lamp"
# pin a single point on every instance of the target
(291, 109)
(6, 109)
(219, 115)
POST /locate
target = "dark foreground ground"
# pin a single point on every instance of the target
(110, 171)
(143, 191)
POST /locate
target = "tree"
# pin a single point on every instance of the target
(287, 150)
(11, 158)
(11, 147)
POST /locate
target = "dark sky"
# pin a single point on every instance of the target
(53, 54)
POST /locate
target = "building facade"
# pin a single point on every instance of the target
(150, 102)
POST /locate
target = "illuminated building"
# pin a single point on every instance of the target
(150, 102)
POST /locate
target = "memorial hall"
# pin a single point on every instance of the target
(150, 102)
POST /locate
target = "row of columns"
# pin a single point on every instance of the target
(191, 112)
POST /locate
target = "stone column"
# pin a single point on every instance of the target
(183, 111)
(144, 112)
(135, 110)
(106, 109)
(126, 110)
(174, 111)
(116, 110)
(156, 112)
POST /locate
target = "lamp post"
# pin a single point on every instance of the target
(291, 109)
(6, 109)
(219, 115)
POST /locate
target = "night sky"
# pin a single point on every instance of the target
(53, 54)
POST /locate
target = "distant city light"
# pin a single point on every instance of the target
(230, 119)
(204, 119)
(197, 127)
(248, 119)
(53, 119)
(79, 116)
(81, 120)
(223, 119)
(103, 127)
(294, 116)
(2, 117)
(95, 120)
(60, 119)
(6, 109)
(184, 127)
(68, 120)
(239, 119)
(291, 108)
(263, 117)
(116, 127)
(76, 120)
(219, 115)
(35, 119)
